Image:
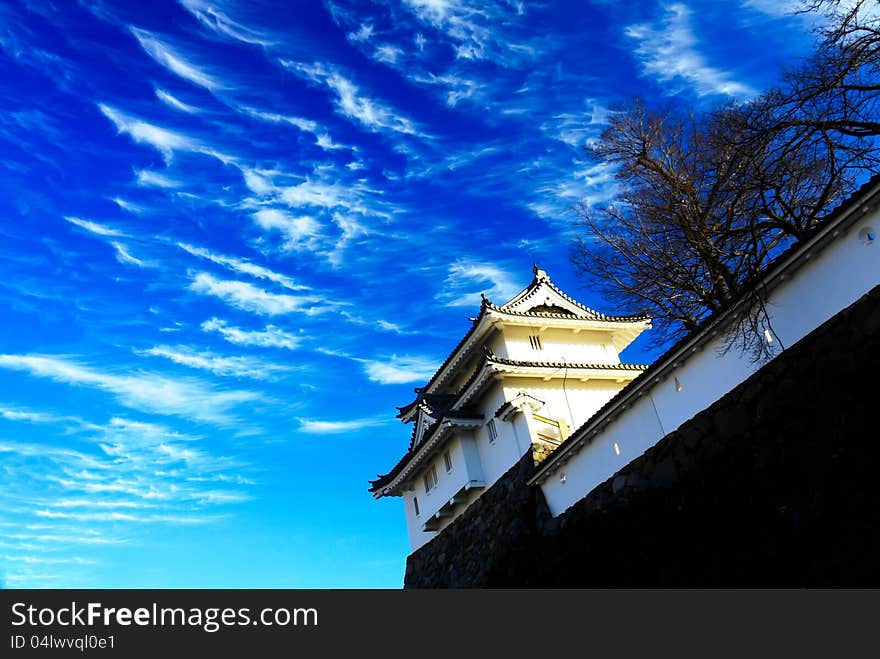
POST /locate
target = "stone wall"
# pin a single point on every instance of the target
(776, 484)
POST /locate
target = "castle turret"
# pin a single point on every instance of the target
(526, 373)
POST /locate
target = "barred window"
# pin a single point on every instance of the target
(430, 478)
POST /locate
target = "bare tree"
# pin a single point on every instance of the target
(706, 201)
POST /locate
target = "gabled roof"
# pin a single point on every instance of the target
(542, 297)
(540, 300)
(433, 404)
(434, 435)
(460, 413)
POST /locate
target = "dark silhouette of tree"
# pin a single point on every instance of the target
(706, 200)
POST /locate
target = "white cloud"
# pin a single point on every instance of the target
(350, 229)
(300, 232)
(125, 257)
(244, 267)
(471, 27)
(351, 103)
(213, 18)
(669, 51)
(163, 140)
(43, 560)
(457, 87)
(149, 392)
(399, 370)
(258, 181)
(124, 517)
(94, 227)
(90, 537)
(127, 206)
(30, 416)
(467, 279)
(175, 103)
(326, 142)
(363, 33)
(305, 125)
(248, 297)
(270, 337)
(223, 365)
(387, 53)
(173, 61)
(577, 128)
(148, 178)
(316, 193)
(334, 427)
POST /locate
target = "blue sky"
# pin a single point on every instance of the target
(236, 234)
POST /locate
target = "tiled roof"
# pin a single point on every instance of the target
(465, 414)
(567, 315)
(620, 366)
(541, 277)
(435, 403)
(486, 306)
(469, 412)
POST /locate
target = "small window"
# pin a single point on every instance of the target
(447, 460)
(430, 478)
(416, 505)
(492, 431)
(535, 342)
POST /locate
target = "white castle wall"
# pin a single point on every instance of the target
(846, 269)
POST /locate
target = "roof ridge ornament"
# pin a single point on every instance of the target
(540, 275)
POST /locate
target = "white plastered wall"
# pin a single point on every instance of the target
(830, 281)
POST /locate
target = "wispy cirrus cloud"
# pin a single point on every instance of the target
(668, 51)
(330, 212)
(322, 136)
(95, 227)
(223, 365)
(148, 178)
(466, 280)
(34, 416)
(124, 478)
(269, 337)
(244, 267)
(172, 60)
(399, 369)
(305, 125)
(126, 257)
(351, 102)
(162, 139)
(127, 206)
(215, 17)
(316, 427)
(174, 102)
(470, 27)
(300, 232)
(247, 297)
(150, 392)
